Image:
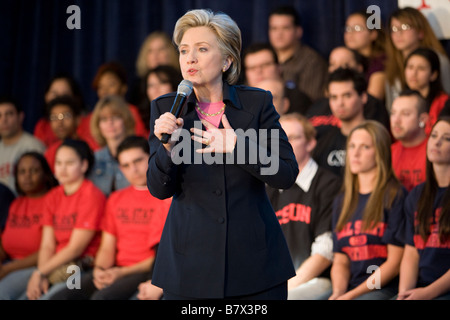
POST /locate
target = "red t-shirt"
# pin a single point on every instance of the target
(409, 164)
(136, 219)
(435, 109)
(23, 230)
(43, 131)
(82, 210)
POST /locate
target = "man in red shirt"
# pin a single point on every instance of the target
(408, 119)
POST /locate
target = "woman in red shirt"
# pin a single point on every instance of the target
(71, 221)
(20, 240)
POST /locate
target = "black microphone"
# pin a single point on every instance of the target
(184, 90)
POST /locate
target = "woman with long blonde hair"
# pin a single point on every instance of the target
(366, 219)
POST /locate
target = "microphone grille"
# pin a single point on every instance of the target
(185, 87)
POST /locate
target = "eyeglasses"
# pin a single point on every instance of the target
(355, 28)
(260, 66)
(60, 116)
(403, 27)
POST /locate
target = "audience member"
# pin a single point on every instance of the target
(366, 220)
(425, 266)
(111, 123)
(276, 88)
(159, 81)
(14, 140)
(7, 196)
(320, 113)
(20, 240)
(304, 212)
(59, 85)
(344, 57)
(409, 30)
(301, 65)
(369, 43)
(111, 79)
(65, 116)
(71, 222)
(260, 62)
(408, 118)
(156, 50)
(131, 228)
(347, 97)
(422, 73)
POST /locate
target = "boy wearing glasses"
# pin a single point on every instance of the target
(64, 114)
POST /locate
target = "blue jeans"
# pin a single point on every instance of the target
(378, 294)
(14, 285)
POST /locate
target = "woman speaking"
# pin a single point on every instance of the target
(221, 238)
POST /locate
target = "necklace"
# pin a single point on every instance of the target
(209, 114)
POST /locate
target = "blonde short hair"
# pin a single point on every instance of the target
(119, 107)
(226, 30)
(308, 129)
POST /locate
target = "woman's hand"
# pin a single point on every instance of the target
(105, 277)
(148, 291)
(414, 294)
(37, 285)
(336, 295)
(100, 278)
(167, 123)
(216, 140)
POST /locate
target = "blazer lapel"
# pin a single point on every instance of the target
(189, 115)
(237, 116)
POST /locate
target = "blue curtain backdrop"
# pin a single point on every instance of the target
(36, 43)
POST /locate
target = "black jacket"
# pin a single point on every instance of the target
(221, 236)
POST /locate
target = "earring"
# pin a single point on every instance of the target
(224, 68)
(421, 124)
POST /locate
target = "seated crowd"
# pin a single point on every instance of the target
(367, 218)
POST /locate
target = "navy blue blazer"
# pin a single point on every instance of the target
(221, 237)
